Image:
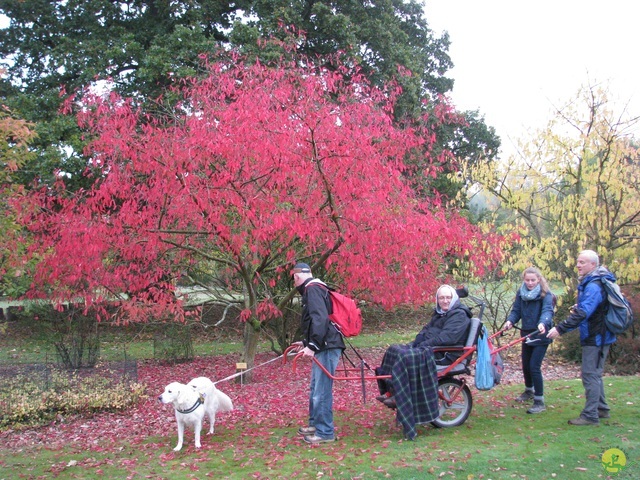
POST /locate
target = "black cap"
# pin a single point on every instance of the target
(301, 268)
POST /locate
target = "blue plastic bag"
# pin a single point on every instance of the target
(484, 377)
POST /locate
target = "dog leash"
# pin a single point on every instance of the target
(248, 370)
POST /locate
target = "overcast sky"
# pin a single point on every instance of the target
(514, 59)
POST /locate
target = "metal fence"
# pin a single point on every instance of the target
(41, 374)
(30, 392)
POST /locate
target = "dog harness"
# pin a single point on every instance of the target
(199, 402)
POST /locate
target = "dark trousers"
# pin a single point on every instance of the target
(532, 357)
(593, 359)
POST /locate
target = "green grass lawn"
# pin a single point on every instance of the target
(498, 441)
(38, 348)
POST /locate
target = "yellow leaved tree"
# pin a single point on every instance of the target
(574, 185)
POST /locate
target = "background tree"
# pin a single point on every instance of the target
(142, 47)
(254, 169)
(382, 35)
(574, 186)
(15, 136)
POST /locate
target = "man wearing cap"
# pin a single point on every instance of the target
(322, 341)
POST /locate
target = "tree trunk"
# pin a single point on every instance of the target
(250, 347)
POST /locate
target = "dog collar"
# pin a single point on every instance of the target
(199, 402)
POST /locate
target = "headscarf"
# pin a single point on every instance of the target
(454, 298)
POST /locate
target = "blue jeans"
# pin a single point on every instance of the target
(321, 394)
(532, 357)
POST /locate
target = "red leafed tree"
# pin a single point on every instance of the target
(253, 169)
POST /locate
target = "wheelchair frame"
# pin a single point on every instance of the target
(455, 401)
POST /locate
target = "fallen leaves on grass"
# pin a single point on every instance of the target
(276, 399)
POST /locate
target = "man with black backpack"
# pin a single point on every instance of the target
(588, 315)
(324, 342)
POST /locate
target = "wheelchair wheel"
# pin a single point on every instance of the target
(455, 402)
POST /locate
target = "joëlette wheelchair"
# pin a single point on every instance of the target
(454, 396)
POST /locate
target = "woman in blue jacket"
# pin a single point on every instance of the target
(534, 306)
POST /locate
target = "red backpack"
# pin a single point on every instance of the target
(346, 316)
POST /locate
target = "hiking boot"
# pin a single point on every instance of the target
(604, 413)
(390, 402)
(525, 396)
(316, 440)
(305, 431)
(582, 421)
(538, 407)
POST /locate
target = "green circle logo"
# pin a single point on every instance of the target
(614, 460)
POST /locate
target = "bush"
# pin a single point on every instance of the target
(624, 356)
(78, 339)
(623, 359)
(28, 400)
(568, 346)
(73, 332)
(174, 344)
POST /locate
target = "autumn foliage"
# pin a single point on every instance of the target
(15, 136)
(253, 168)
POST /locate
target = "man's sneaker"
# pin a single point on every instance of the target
(537, 407)
(582, 421)
(604, 413)
(383, 397)
(304, 431)
(316, 440)
(525, 396)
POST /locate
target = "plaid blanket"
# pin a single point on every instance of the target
(414, 382)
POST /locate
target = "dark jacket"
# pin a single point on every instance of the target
(589, 313)
(318, 333)
(533, 312)
(449, 328)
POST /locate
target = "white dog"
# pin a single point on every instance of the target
(214, 400)
(191, 402)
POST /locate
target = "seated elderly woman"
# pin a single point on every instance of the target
(412, 367)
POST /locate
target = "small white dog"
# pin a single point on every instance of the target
(191, 402)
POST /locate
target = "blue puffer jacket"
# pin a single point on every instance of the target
(532, 312)
(588, 316)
